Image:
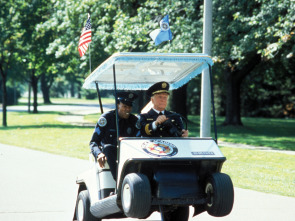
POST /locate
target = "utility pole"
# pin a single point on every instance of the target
(205, 122)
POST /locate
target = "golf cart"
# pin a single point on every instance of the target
(154, 174)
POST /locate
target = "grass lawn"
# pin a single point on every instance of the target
(44, 132)
(260, 170)
(250, 169)
(268, 132)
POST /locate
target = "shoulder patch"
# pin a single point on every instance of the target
(102, 121)
(137, 125)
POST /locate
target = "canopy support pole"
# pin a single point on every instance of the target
(99, 98)
(117, 117)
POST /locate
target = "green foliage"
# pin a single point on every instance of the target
(11, 36)
(242, 30)
(270, 90)
(44, 35)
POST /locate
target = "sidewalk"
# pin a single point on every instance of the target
(246, 146)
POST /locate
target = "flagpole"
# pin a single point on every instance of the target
(89, 58)
(89, 51)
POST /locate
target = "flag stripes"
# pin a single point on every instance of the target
(85, 38)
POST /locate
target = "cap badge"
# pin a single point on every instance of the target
(164, 85)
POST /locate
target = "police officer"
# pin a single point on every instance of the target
(151, 121)
(103, 143)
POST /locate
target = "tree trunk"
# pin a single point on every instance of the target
(233, 80)
(34, 82)
(178, 103)
(232, 87)
(4, 99)
(29, 98)
(72, 89)
(140, 102)
(45, 88)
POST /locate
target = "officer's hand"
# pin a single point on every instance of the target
(101, 159)
(161, 119)
(184, 133)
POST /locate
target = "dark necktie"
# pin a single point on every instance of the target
(160, 113)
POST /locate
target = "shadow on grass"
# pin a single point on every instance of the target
(59, 126)
(109, 105)
(40, 112)
(268, 132)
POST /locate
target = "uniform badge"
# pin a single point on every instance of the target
(102, 122)
(164, 85)
(129, 130)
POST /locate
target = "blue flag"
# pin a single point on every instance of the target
(163, 34)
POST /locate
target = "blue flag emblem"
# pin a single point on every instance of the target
(163, 34)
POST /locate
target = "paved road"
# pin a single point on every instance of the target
(38, 186)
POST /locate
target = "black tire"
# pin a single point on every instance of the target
(136, 195)
(178, 214)
(220, 193)
(83, 208)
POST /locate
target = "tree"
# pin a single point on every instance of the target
(34, 43)
(135, 21)
(9, 39)
(121, 26)
(270, 90)
(245, 34)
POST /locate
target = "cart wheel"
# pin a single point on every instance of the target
(220, 194)
(178, 214)
(136, 195)
(83, 208)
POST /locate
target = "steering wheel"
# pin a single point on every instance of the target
(172, 126)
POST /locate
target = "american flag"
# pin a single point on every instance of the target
(85, 37)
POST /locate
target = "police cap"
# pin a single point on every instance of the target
(127, 97)
(157, 88)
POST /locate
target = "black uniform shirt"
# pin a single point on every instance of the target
(147, 119)
(105, 130)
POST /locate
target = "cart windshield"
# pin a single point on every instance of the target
(138, 71)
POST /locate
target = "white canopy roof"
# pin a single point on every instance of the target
(138, 71)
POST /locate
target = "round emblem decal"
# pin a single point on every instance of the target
(159, 148)
(164, 26)
(102, 122)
